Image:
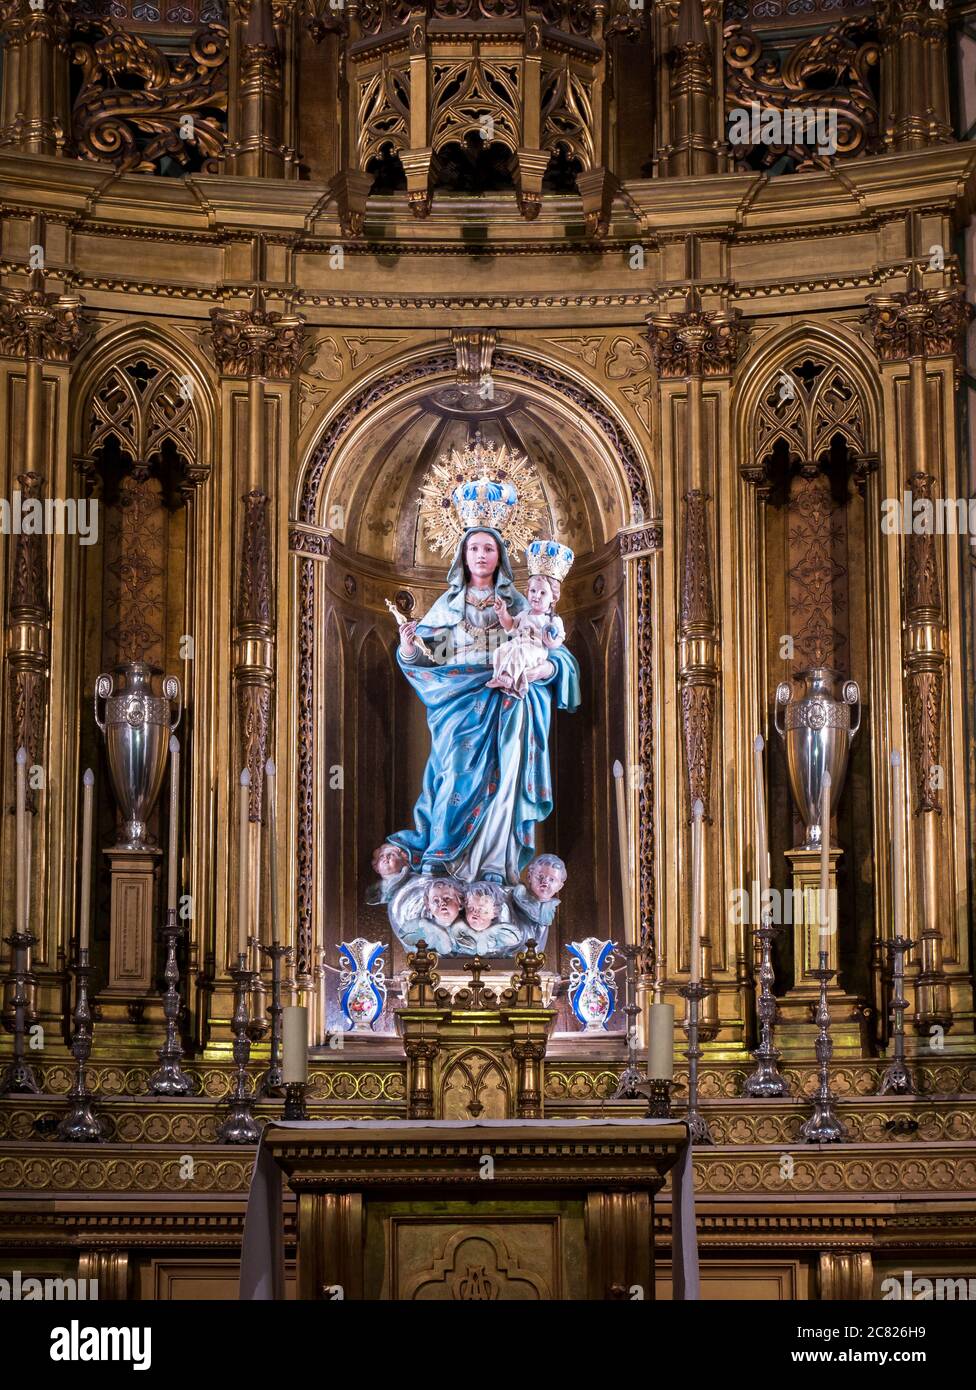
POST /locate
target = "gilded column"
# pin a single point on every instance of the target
(915, 91)
(915, 326)
(688, 345)
(693, 148)
(37, 327)
(258, 345)
(36, 112)
(258, 149)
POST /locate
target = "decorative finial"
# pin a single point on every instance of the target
(89, 777)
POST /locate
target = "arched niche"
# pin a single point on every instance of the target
(359, 496)
(809, 449)
(142, 428)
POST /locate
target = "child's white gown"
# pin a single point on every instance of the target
(524, 649)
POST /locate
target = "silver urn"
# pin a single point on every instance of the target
(817, 729)
(137, 724)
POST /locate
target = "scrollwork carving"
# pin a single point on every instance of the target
(138, 106)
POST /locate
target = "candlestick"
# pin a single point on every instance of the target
(86, 838)
(271, 782)
(21, 845)
(694, 969)
(240, 1126)
(243, 866)
(81, 1125)
(766, 1079)
(623, 846)
(762, 847)
(823, 1126)
(825, 862)
(897, 845)
(174, 812)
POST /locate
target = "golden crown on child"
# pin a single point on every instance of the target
(549, 558)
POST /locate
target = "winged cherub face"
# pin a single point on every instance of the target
(443, 904)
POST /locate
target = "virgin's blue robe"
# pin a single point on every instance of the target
(481, 740)
(476, 734)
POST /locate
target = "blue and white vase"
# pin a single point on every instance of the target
(591, 990)
(362, 982)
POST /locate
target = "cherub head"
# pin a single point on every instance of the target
(540, 594)
(389, 860)
(481, 904)
(443, 901)
(545, 876)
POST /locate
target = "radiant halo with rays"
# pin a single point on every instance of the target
(481, 462)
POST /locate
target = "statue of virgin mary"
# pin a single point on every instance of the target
(487, 782)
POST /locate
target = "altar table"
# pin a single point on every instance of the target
(470, 1209)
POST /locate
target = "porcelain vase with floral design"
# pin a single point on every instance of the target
(591, 990)
(362, 982)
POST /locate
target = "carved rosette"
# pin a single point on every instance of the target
(920, 323)
(261, 343)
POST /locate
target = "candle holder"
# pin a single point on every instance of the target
(658, 1092)
(81, 1124)
(631, 1078)
(295, 1107)
(767, 1080)
(170, 1079)
(896, 1079)
(240, 1126)
(17, 1078)
(271, 1082)
(823, 1126)
(695, 991)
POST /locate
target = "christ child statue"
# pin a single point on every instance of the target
(534, 633)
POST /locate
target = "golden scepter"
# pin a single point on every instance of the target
(401, 620)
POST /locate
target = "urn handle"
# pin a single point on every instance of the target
(852, 696)
(174, 691)
(783, 692)
(103, 690)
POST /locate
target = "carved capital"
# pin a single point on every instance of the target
(919, 323)
(256, 342)
(695, 343)
(41, 326)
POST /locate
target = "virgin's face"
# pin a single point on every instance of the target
(481, 557)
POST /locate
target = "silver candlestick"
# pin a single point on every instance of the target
(240, 1126)
(897, 1079)
(17, 1077)
(695, 992)
(81, 1124)
(170, 1079)
(271, 1082)
(295, 1107)
(767, 1079)
(823, 1126)
(628, 1087)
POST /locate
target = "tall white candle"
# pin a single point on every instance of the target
(244, 864)
(623, 845)
(897, 844)
(825, 862)
(294, 1035)
(86, 839)
(174, 816)
(762, 847)
(697, 812)
(271, 782)
(21, 840)
(660, 1053)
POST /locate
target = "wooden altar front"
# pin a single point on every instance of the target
(503, 1210)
